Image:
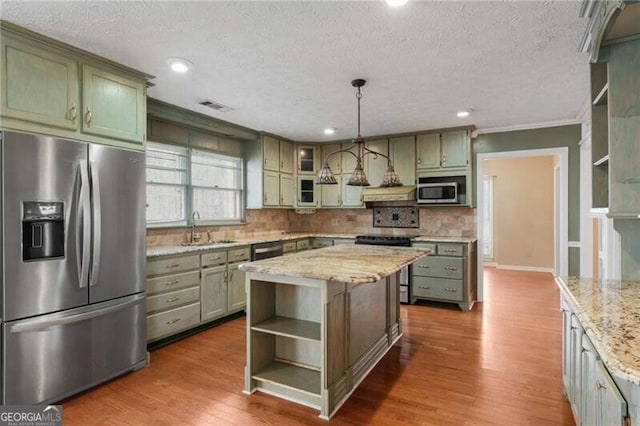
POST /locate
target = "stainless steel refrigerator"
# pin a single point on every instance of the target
(73, 266)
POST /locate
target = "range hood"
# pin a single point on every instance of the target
(393, 193)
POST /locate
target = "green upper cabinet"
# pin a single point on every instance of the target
(286, 157)
(112, 106)
(271, 153)
(403, 154)
(455, 149)
(428, 151)
(42, 91)
(377, 166)
(448, 150)
(39, 86)
(335, 161)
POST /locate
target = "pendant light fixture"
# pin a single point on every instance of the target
(358, 177)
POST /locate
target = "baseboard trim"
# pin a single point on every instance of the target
(525, 268)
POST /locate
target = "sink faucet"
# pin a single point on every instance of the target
(194, 237)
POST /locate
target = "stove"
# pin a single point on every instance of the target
(382, 240)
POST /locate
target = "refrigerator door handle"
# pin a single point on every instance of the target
(97, 223)
(83, 217)
(43, 324)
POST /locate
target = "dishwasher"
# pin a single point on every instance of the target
(266, 250)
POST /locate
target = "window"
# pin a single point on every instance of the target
(182, 180)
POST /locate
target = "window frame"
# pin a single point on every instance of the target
(189, 188)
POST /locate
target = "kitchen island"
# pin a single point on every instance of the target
(318, 321)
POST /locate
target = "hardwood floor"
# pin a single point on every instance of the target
(499, 364)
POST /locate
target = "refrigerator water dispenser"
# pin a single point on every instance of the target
(42, 230)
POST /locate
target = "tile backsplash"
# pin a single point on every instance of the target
(435, 221)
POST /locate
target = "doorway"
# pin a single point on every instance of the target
(560, 231)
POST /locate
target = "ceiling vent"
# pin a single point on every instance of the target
(216, 106)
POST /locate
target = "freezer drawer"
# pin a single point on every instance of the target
(50, 357)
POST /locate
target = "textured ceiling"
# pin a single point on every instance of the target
(286, 66)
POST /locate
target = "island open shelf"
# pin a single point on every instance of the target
(319, 321)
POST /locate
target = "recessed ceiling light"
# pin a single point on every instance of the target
(396, 3)
(179, 64)
(329, 131)
(464, 113)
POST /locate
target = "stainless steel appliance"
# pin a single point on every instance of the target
(266, 250)
(437, 192)
(73, 266)
(382, 240)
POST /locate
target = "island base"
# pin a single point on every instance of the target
(314, 341)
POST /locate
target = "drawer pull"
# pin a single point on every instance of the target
(239, 254)
(450, 268)
(214, 258)
(173, 265)
(424, 266)
(173, 321)
(424, 287)
(451, 290)
(173, 299)
(450, 250)
(174, 282)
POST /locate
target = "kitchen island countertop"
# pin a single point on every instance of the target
(353, 264)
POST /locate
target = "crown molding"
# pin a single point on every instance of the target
(530, 126)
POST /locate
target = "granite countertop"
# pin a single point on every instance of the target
(610, 314)
(239, 242)
(354, 264)
(424, 238)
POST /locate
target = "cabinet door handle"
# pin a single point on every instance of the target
(281, 164)
(230, 276)
(419, 160)
(174, 282)
(73, 113)
(173, 299)
(173, 321)
(600, 385)
(444, 159)
(88, 117)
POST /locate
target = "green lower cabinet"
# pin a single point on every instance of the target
(589, 394)
(112, 106)
(611, 408)
(447, 275)
(213, 293)
(38, 85)
(595, 398)
(236, 292)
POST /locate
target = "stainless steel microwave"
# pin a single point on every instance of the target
(440, 192)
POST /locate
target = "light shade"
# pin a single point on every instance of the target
(391, 178)
(325, 176)
(358, 177)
